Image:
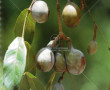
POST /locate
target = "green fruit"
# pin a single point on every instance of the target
(92, 47)
(45, 59)
(60, 65)
(76, 61)
(58, 86)
(40, 11)
(71, 15)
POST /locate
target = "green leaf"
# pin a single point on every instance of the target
(30, 61)
(14, 63)
(29, 29)
(50, 82)
(2, 88)
(1, 75)
(30, 82)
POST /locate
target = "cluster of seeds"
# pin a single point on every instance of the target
(73, 60)
(71, 13)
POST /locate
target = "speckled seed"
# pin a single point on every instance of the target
(76, 61)
(60, 65)
(40, 11)
(45, 59)
(92, 47)
(58, 86)
(71, 15)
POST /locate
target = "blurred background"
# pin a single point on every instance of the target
(97, 73)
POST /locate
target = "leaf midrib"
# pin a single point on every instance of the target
(16, 60)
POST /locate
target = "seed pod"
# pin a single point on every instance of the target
(45, 59)
(76, 61)
(60, 65)
(71, 15)
(40, 11)
(50, 44)
(58, 86)
(92, 47)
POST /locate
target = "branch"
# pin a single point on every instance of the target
(59, 17)
(29, 10)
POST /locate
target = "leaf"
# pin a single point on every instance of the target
(14, 63)
(1, 74)
(29, 29)
(30, 61)
(2, 88)
(30, 82)
(49, 85)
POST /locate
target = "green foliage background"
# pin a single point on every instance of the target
(97, 73)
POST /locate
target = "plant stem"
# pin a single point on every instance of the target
(64, 54)
(55, 41)
(72, 81)
(59, 17)
(61, 34)
(25, 20)
(82, 4)
(25, 24)
(90, 13)
(50, 82)
(106, 41)
(62, 76)
(95, 28)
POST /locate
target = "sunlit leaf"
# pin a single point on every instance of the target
(30, 26)
(14, 63)
(30, 82)
(50, 82)
(30, 61)
(2, 88)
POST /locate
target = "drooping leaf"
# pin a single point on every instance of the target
(14, 62)
(29, 29)
(29, 81)
(30, 61)
(50, 82)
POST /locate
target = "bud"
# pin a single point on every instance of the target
(58, 86)
(76, 61)
(71, 15)
(92, 47)
(40, 11)
(60, 65)
(45, 59)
